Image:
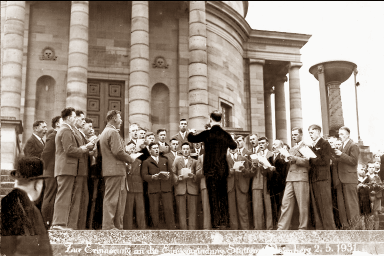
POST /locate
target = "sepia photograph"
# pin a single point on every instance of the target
(192, 128)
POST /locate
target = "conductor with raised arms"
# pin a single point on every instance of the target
(215, 167)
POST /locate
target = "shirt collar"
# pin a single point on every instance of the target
(40, 139)
(156, 158)
(183, 133)
(345, 143)
(315, 142)
(174, 153)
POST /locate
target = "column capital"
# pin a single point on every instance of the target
(281, 78)
(256, 61)
(295, 64)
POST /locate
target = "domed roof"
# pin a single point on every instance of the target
(239, 6)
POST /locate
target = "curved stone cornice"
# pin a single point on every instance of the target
(295, 64)
(278, 38)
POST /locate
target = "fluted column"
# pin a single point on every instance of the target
(257, 96)
(78, 56)
(295, 95)
(139, 94)
(198, 69)
(281, 115)
(268, 113)
(12, 59)
(336, 119)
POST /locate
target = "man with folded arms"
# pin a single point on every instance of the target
(114, 172)
(320, 180)
(157, 172)
(345, 178)
(238, 187)
(297, 186)
(186, 188)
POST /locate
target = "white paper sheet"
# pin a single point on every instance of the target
(284, 152)
(307, 152)
(264, 161)
(184, 172)
(139, 143)
(134, 156)
(237, 165)
(253, 156)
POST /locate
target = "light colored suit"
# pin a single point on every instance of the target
(296, 190)
(238, 188)
(344, 175)
(186, 191)
(181, 140)
(261, 200)
(204, 193)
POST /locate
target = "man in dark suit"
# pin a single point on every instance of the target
(240, 148)
(135, 196)
(69, 167)
(186, 188)
(216, 143)
(157, 172)
(297, 186)
(50, 183)
(320, 181)
(345, 178)
(181, 136)
(35, 144)
(197, 150)
(173, 151)
(204, 193)
(114, 172)
(238, 188)
(161, 136)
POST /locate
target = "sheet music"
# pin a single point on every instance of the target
(264, 161)
(307, 152)
(184, 172)
(284, 152)
(135, 155)
(237, 165)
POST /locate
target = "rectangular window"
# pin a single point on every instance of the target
(227, 115)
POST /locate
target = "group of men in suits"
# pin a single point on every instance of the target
(174, 173)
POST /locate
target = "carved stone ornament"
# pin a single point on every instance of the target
(160, 63)
(48, 53)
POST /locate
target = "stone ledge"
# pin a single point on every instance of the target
(211, 242)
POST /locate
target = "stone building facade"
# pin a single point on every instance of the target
(156, 61)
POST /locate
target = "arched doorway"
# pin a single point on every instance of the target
(160, 107)
(45, 99)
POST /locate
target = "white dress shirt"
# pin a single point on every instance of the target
(183, 134)
(40, 139)
(156, 158)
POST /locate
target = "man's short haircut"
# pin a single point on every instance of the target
(65, 113)
(298, 129)
(314, 127)
(79, 112)
(142, 129)
(37, 123)
(149, 134)
(370, 162)
(263, 138)
(239, 136)
(161, 130)
(345, 128)
(173, 139)
(280, 142)
(254, 134)
(88, 120)
(183, 119)
(216, 115)
(55, 120)
(152, 144)
(186, 143)
(112, 114)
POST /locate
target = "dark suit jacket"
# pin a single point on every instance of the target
(381, 173)
(150, 167)
(180, 139)
(276, 184)
(345, 165)
(68, 157)
(320, 166)
(48, 155)
(134, 180)
(145, 154)
(216, 143)
(165, 149)
(33, 147)
(240, 180)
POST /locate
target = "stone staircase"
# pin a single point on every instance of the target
(7, 183)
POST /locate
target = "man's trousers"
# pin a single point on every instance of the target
(68, 201)
(238, 209)
(321, 197)
(134, 200)
(50, 190)
(181, 202)
(167, 200)
(347, 203)
(262, 209)
(295, 191)
(114, 202)
(206, 210)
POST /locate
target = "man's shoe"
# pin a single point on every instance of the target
(60, 228)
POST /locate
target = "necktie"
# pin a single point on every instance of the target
(42, 142)
(185, 161)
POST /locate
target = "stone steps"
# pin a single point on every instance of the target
(7, 183)
(215, 242)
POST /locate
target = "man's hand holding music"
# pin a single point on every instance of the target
(338, 152)
(155, 176)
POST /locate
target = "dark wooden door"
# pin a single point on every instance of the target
(103, 96)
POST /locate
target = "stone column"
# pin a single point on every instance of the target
(78, 56)
(268, 113)
(295, 95)
(198, 69)
(324, 100)
(139, 94)
(12, 59)
(281, 115)
(3, 8)
(336, 119)
(258, 124)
